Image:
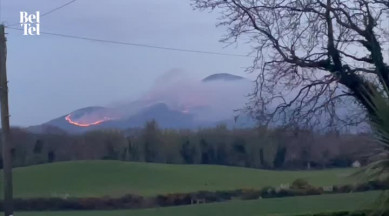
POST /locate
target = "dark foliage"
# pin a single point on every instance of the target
(277, 148)
(299, 188)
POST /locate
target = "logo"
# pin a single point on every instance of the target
(30, 23)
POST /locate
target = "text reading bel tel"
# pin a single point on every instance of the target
(30, 23)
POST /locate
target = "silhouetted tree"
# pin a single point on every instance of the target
(279, 158)
(188, 152)
(51, 156)
(221, 155)
(207, 152)
(38, 146)
(262, 158)
(239, 153)
(152, 139)
(312, 56)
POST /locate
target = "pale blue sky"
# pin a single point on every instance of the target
(50, 76)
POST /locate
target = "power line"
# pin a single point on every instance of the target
(118, 42)
(58, 8)
(50, 11)
(135, 44)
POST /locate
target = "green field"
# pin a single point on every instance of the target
(270, 207)
(115, 178)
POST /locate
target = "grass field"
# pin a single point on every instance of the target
(264, 207)
(115, 178)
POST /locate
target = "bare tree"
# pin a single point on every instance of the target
(310, 55)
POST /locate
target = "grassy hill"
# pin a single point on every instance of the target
(265, 207)
(115, 178)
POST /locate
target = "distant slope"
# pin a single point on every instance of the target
(166, 118)
(222, 77)
(289, 206)
(115, 178)
(60, 125)
(174, 105)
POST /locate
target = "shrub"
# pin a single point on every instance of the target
(227, 195)
(268, 192)
(343, 189)
(299, 188)
(250, 194)
(314, 191)
(173, 199)
(345, 213)
(300, 184)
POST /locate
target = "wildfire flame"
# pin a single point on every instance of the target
(80, 124)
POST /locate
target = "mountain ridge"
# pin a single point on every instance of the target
(174, 116)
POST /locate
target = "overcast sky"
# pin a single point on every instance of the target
(51, 76)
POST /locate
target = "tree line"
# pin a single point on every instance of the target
(276, 148)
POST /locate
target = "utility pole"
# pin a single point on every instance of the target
(6, 141)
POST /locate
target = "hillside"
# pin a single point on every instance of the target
(115, 178)
(177, 104)
(160, 112)
(222, 77)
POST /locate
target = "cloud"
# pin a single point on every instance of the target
(207, 101)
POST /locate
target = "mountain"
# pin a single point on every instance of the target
(166, 118)
(222, 77)
(207, 103)
(62, 124)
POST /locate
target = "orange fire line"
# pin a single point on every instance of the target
(68, 119)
